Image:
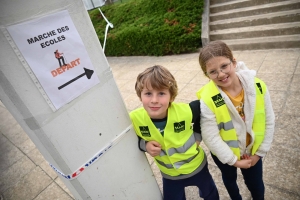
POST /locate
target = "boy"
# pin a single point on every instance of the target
(170, 132)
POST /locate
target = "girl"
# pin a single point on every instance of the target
(237, 119)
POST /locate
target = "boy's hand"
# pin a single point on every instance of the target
(245, 164)
(153, 148)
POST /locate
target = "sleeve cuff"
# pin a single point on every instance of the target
(198, 136)
(232, 161)
(143, 145)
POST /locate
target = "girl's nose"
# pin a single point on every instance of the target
(220, 74)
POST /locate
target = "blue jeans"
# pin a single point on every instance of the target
(174, 189)
(253, 178)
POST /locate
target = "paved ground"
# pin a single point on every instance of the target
(25, 175)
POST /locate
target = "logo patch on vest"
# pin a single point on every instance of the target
(179, 126)
(218, 100)
(259, 87)
(145, 131)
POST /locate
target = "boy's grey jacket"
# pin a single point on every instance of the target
(210, 131)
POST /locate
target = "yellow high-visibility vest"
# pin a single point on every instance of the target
(213, 99)
(179, 154)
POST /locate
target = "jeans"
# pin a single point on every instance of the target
(174, 189)
(253, 178)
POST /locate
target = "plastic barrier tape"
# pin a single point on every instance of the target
(93, 159)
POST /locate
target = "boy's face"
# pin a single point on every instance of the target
(156, 102)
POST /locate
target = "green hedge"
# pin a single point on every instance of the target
(150, 27)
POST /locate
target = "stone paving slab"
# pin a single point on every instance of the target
(24, 173)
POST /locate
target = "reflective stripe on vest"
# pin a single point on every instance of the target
(213, 99)
(187, 145)
(178, 164)
(178, 144)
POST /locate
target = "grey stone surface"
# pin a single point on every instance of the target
(53, 191)
(254, 24)
(29, 186)
(205, 37)
(11, 175)
(24, 173)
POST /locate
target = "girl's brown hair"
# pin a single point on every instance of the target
(214, 49)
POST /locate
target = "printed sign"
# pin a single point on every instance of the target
(56, 54)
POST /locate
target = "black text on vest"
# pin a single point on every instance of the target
(179, 126)
(145, 131)
(218, 100)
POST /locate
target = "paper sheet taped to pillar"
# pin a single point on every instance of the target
(54, 51)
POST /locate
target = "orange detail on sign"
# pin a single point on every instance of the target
(66, 67)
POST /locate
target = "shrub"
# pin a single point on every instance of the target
(150, 27)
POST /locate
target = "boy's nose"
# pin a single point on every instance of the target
(154, 99)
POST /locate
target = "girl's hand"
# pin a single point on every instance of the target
(153, 148)
(245, 157)
(245, 164)
(254, 159)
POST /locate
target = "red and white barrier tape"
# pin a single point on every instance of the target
(93, 159)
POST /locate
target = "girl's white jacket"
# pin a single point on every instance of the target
(210, 131)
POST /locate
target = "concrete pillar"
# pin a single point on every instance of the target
(89, 136)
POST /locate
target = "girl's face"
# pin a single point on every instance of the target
(221, 70)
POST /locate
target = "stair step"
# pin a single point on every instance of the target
(254, 24)
(213, 2)
(256, 31)
(256, 10)
(256, 20)
(276, 42)
(230, 5)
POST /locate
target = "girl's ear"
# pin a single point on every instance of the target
(234, 62)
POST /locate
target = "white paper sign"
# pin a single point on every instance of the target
(56, 54)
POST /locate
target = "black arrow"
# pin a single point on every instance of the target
(87, 72)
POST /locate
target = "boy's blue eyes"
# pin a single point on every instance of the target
(149, 93)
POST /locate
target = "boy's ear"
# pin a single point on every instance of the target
(171, 101)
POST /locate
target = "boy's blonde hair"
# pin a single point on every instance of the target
(158, 77)
(214, 49)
